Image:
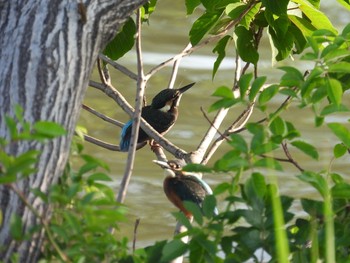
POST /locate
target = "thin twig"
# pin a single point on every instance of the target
(212, 124)
(119, 67)
(290, 158)
(106, 145)
(137, 222)
(102, 116)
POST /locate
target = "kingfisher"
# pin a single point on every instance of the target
(161, 115)
(180, 186)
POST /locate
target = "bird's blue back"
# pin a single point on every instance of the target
(125, 137)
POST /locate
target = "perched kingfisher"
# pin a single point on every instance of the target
(161, 115)
(180, 186)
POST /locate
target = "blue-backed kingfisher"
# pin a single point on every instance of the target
(180, 186)
(161, 115)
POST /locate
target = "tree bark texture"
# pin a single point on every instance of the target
(47, 52)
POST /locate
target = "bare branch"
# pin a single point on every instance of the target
(102, 116)
(290, 158)
(119, 67)
(141, 84)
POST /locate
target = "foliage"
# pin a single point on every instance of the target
(256, 222)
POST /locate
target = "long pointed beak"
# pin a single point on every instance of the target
(162, 164)
(183, 89)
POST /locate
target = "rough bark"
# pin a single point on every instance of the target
(47, 52)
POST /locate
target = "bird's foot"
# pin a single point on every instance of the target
(154, 145)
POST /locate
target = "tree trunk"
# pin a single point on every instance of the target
(47, 52)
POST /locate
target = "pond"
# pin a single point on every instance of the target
(165, 36)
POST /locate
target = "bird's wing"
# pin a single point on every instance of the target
(125, 137)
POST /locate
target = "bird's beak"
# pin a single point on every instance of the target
(162, 164)
(183, 89)
(167, 170)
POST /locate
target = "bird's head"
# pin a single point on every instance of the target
(174, 167)
(171, 168)
(168, 98)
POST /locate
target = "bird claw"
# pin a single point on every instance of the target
(154, 145)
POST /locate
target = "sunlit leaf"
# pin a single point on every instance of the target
(341, 132)
(223, 92)
(339, 150)
(317, 18)
(345, 3)
(334, 90)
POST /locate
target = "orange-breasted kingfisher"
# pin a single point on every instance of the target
(161, 115)
(180, 186)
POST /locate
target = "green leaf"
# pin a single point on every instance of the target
(223, 92)
(267, 94)
(244, 83)
(238, 142)
(220, 50)
(191, 5)
(255, 187)
(341, 190)
(341, 132)
(345, 3)
(339, 150)
(223, 103)
(195, 210)
(332, 108)
(316, 180)
(306, 148)
(99, 177)
(173, 249)
(16, 227)
(292, 77)
(196, 167)
(282, 42)
(342, 67)
(277, 7)
(209, 206)
(49, 129)
(256, 86)
(246, 46)
(277, 126)
(202, 26)
(122, 42)
(269, 163)
(334, 90)
(234, 10)
(302, 24)
(317, 18)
